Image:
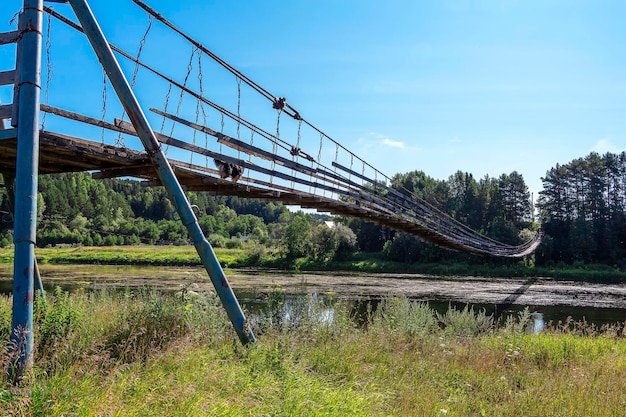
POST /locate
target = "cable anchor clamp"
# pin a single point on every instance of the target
(279, 103)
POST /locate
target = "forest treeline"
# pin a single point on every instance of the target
(582, 209)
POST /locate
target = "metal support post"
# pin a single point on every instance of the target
(9, 184)
(164, 170)
(27, 161)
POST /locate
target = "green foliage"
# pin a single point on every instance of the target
(297, 237)
(583, 208)
(150, 323)
(5, 317)
(234, 244)
(57, 321)
(217, 241)
(399, 315)
(465, 322)
(194, 366)
(520, 324)
(256, 254)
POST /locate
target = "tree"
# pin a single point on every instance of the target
(583, 209)
(297, 237)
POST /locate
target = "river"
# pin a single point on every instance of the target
(556, 300)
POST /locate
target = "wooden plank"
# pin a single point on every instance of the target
(202, 151)
(137, 171)
(177, 143)
(285, 162)
(192, 125)
(94, 149)
(239, 145)
(260, 153)
(8, 37)
(7, 77)
(401, 198)
(5, 111)
(82, 118)
(8, 133)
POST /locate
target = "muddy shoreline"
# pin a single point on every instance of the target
(465, 289)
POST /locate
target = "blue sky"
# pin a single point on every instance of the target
(486, 87)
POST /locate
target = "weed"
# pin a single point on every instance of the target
(465, 322)
(144, 353)
(5, 317)
(149, 324)
(408, 318)
(57, 321)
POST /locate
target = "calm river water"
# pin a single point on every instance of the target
(557, 300)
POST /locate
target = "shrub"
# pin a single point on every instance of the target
(217, 241)
(465, 322)
(5, 317)
(256, 254)
(406, 317)
(148, 325)
(58, 321)
(234, 244)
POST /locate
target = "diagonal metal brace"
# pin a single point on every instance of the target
(164, 170)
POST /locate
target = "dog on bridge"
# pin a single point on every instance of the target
(229, 170)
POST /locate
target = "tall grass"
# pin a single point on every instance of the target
(147, 354)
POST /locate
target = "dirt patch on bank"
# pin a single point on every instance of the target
(473, 290)
(536, 291)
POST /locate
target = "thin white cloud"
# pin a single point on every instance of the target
(605, 145)
(393, 143)
(379, 139)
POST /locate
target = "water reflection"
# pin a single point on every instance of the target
(305, 293)
(291, 309)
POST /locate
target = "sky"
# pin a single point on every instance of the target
(485, 87)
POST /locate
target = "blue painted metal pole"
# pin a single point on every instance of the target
(9, 184)
(164, 170)
(27, 164)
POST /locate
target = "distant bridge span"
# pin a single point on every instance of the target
(377, 203)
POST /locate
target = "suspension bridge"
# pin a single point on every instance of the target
(188, 129)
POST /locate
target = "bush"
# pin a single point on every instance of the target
(408, 318)
(58, 321)
(217, 241)
(5, 317)
(256, 254)
(148, 325)
(234, 244)
(110, 240)
(465, 322)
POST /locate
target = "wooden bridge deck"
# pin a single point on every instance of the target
(61, 153)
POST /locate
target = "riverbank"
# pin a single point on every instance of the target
(145, 354)
(253, 256)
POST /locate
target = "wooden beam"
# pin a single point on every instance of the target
(7, 77)
(8, 134)
(82, 118)
(187, 123)
(239, 145)
(253, 150)
(177, 143)
(5, 111)
(137, 171)
(8, 37)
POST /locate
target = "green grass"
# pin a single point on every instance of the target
(251, 255)
(145, 354)
(128, 255)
